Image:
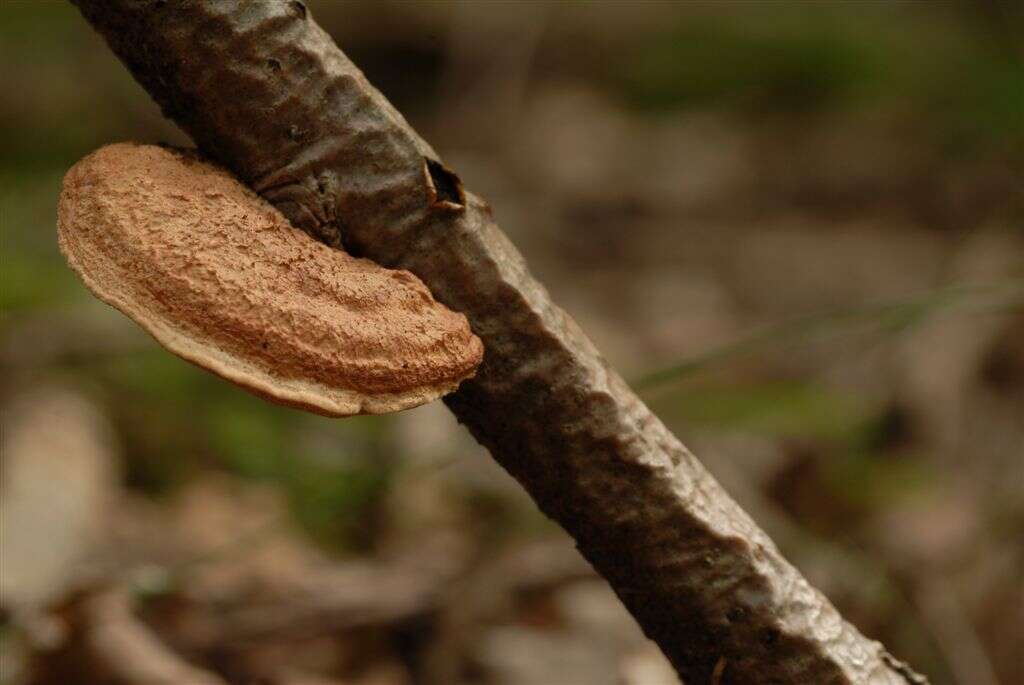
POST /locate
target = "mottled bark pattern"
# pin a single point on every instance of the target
(264, 90)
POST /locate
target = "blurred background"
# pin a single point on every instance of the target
(797, 228)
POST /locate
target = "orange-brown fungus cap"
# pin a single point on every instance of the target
(221, 278)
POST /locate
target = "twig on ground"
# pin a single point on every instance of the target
(126, 650)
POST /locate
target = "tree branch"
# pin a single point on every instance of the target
(264, 90)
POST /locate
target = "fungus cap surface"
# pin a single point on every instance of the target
(221, 278)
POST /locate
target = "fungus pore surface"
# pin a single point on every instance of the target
(221, 278)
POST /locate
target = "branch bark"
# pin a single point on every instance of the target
(264, 90)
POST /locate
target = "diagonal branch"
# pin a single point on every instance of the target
(264, 90)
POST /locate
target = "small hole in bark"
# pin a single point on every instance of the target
(294, 132)
(273, 64)
(298, 8)
(321, 186)
(445, 186)
(735, 614)
(769, 637)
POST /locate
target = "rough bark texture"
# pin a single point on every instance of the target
(264, 90)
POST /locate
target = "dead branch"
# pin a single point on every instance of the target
(348, 597)
(261, 88)
(120, 646)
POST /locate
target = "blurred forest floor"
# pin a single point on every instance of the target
(798, 228)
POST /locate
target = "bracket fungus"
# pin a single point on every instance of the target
(221, 278)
